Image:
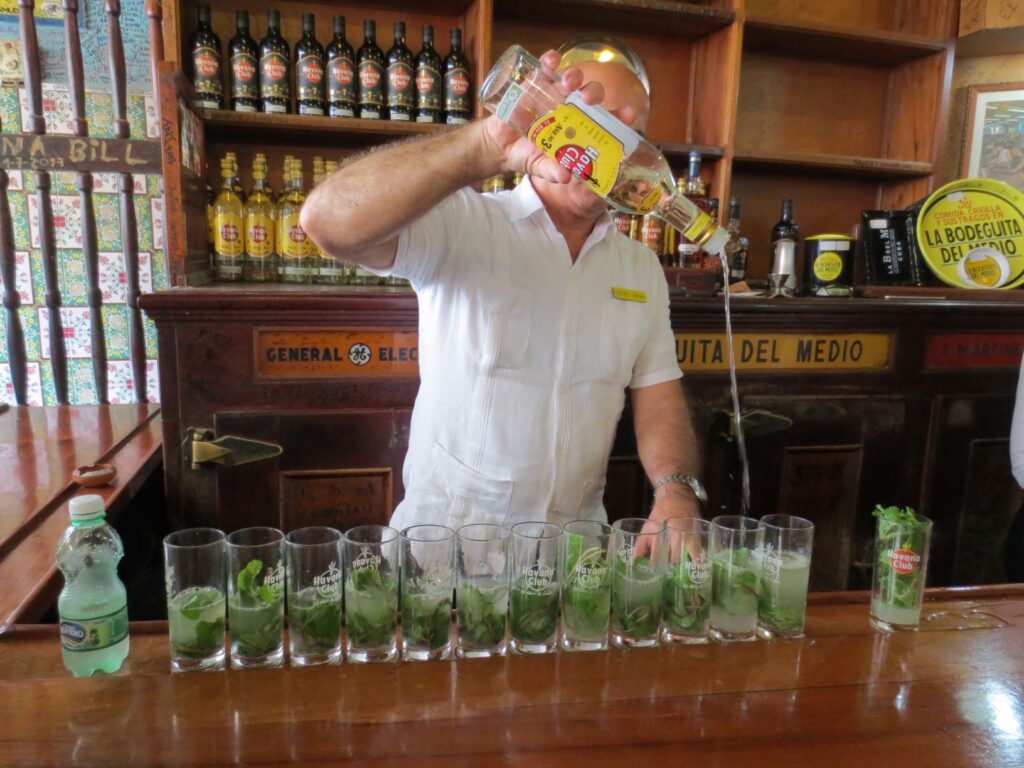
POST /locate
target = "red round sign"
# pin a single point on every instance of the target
(575, 159)
(904, 561)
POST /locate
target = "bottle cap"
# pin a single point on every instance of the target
(242, 20)
(717, 241)
(428, 32)
(339, 25)
(399, 29)
(308, 22)
(84, 508)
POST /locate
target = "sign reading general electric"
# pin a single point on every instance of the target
(335, 354)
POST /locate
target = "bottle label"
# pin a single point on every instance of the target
(298, 271)
(400, 85)
(428, 88)
(274, 76)
(828, 266)
(259, 236)
(94, 634)
(227, 234)
(371, 83)
(310, 77)
(697, 228)
(244, 83)
(652, 233)
(206, 81)
(293, 237)
(331, 271)
(456, 90)
(340, 88)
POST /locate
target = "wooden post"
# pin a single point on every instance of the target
(16, 355)
(129, 230)
(90, 250)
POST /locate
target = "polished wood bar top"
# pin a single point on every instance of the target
(844, 695)
(40, 448)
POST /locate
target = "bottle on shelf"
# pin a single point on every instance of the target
(245, 83)
(206, 63)
(309, 69)
(228, 245)
(275, 68)
(695, 187)
(457, 91)
(784, 242)
(400, 100)
(624, 168)
(341, 86)
(260, 257)
(370, 63)
(652, 234)
(738, 263)
(236, 183)
(297, 265)
(429, 81)
(737, 270)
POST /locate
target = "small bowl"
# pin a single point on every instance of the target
(94, 475)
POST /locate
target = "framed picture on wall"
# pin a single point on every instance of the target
(994, 139)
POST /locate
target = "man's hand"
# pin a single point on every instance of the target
(518, 154)
(674, 500)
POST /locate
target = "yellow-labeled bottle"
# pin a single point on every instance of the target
(210, 197)
(260, 256)
(296, 264)
(236, 183)
(228, 240)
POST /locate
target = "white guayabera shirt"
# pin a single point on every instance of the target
(1017, 432)
(524, 359)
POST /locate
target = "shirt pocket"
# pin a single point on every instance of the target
(493, 328)
(473, 497)
(623, 328)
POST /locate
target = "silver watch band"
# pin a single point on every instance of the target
(689, 481)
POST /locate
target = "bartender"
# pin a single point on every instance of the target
(535, 315)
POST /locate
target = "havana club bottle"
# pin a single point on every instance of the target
(457, 90)
(400, 89)
(244, 53)
(206, 63)
(275, 68)
(309, 69)
(228, 245)
(370, 63)
(341, 84)
(429, 81)
(260, 257)
(297, 265)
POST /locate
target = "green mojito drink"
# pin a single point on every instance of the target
(533, 613)
(371, 615)
(782, 594)
(256, 597)
(314, 622)
(426, 622)
(636, 602)
(195, 621)
(734, 592)
(902, 540)
(482, 610)
(586, 586)
(687, 600)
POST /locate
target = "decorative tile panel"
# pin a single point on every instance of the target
(76, 331)
(67, 220)
(22, 277)
(35, 384)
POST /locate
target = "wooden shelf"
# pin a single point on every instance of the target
(680, 20)
(871, 48)
(868, 167)
(939, 293)
(224, 124)
(991, 42)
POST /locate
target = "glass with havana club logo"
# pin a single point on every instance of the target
(902, 539)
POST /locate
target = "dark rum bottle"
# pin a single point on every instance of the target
(370, 62)
(244, 53)
(341, 86)
(785, 239)
(275, 68)
(429, 81)
(457, 91)
(399, 86)
(309, 69)
(206, 69)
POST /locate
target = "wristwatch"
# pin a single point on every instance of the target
(688, 480)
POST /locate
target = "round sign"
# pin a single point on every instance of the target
(971, 234)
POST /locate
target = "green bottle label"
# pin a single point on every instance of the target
(94, 634)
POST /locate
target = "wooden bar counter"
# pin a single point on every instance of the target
(843, 696)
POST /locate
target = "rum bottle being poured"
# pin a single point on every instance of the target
(594, 145)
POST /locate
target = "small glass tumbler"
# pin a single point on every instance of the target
(586, 585)
(735, 573)
(256, 597)
(371, 593)
(534, 593)
(785, 562)
(481, 600)
(687, 590)
(194, 568)
(427, 585)
(313, 557)
(636, 551)
(901, 565)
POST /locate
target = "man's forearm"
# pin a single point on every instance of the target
(666, 440)
(369, 201)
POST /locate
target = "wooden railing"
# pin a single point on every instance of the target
(42, 153)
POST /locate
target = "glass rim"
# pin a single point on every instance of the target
(446, 533)
(463, 532)
(605, 528)
(797, 523)
(737, 523)
(688, 524)
(274, 536)
(387, 534)
(333, 536)
(549, 530)
(619, 526)
(217, 537)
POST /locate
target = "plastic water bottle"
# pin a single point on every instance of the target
(93, 605)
